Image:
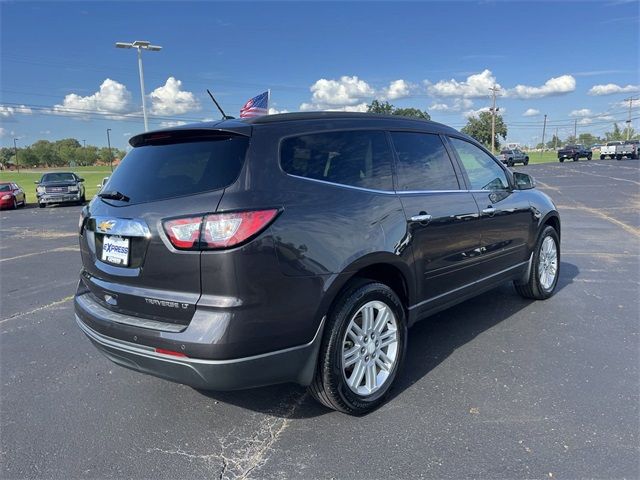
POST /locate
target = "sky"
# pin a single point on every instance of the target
(61, 75)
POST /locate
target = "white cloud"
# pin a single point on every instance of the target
(531, 112)
(475, 113)
(45, 132)
(458, 105)
(7, 112)
(3, 132)
(314, 107)
(337, 93)
(273, 111)
(113, 97)
(611, 88)
(475, 86)
(396, 89)
(170, 99)
(554, 86)
(585, 121)
(583, 112)
(172, 123)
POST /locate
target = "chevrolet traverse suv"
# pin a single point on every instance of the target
(300, 248)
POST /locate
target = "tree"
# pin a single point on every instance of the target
(632, 135)
(480, 128)
(413, 113)
(587, 139)
(554, 142)
(46, 153)
(385, 108)
(615, 135)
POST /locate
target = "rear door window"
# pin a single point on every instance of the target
(423, 162)
(156, 172)
(357, 158)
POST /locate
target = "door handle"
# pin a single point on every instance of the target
(489, 211)
(422, 218)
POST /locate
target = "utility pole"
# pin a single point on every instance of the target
(15, 147)
(555, 140)
(141, 45)
(575, 130)
(628, 122)
(110, 155)
(544, 130)
(494, 90)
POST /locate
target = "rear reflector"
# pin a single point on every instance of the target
(220, 230)
(170, 352)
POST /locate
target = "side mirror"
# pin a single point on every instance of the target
(37, 182)
(81, 179)
(523, 181)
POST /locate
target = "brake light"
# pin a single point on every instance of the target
(228, 229)
(183, 232)
(220, 230)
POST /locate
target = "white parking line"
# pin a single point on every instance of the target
(59, 249)
(44, 307)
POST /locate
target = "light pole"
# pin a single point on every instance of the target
(15, 147)
(141, 45)
(494, 90)
(110, 155)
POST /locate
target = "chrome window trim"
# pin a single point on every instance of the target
(388, 192)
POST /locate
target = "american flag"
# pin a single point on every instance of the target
(255, 107)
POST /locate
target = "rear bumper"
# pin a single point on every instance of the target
(295, 364)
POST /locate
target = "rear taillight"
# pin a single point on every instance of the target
(216, 231)
(183, 232)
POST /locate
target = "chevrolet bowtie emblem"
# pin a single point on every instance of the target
(106, 225)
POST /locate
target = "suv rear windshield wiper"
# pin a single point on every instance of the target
(114, 195)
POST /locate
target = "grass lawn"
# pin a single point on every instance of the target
(92, 177)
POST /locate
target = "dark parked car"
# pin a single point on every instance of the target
(574, 152)
(511, 157)
(60, 187)
(12, 196)
(300, 248)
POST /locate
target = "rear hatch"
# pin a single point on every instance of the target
(129, 264)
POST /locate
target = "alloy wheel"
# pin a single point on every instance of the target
(370, 348)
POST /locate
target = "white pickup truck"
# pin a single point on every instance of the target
(609, 150)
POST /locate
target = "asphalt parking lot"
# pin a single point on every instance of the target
(497, 387)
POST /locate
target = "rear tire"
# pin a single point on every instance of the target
(540, 284)
(41, 205)
(601, 157)
(509, 163)
(576, 158)
(589, 157)
(618, 157)
(561, 160)
(353, 323)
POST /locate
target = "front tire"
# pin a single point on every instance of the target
(576, 158)
(589, 157)
(526, 161)
(602, 157)
(41, 205)
(545, 269)
(362, 350)
(561, 160)
(618, 157)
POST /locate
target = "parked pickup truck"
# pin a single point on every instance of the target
(574, 152)
(609, 150)
(628, 149)
(511, 156)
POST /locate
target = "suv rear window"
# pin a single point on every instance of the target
(357, 158)
(156, 172)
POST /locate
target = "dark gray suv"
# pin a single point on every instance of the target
(300, 248)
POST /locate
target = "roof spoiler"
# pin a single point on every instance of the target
(162, 137)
